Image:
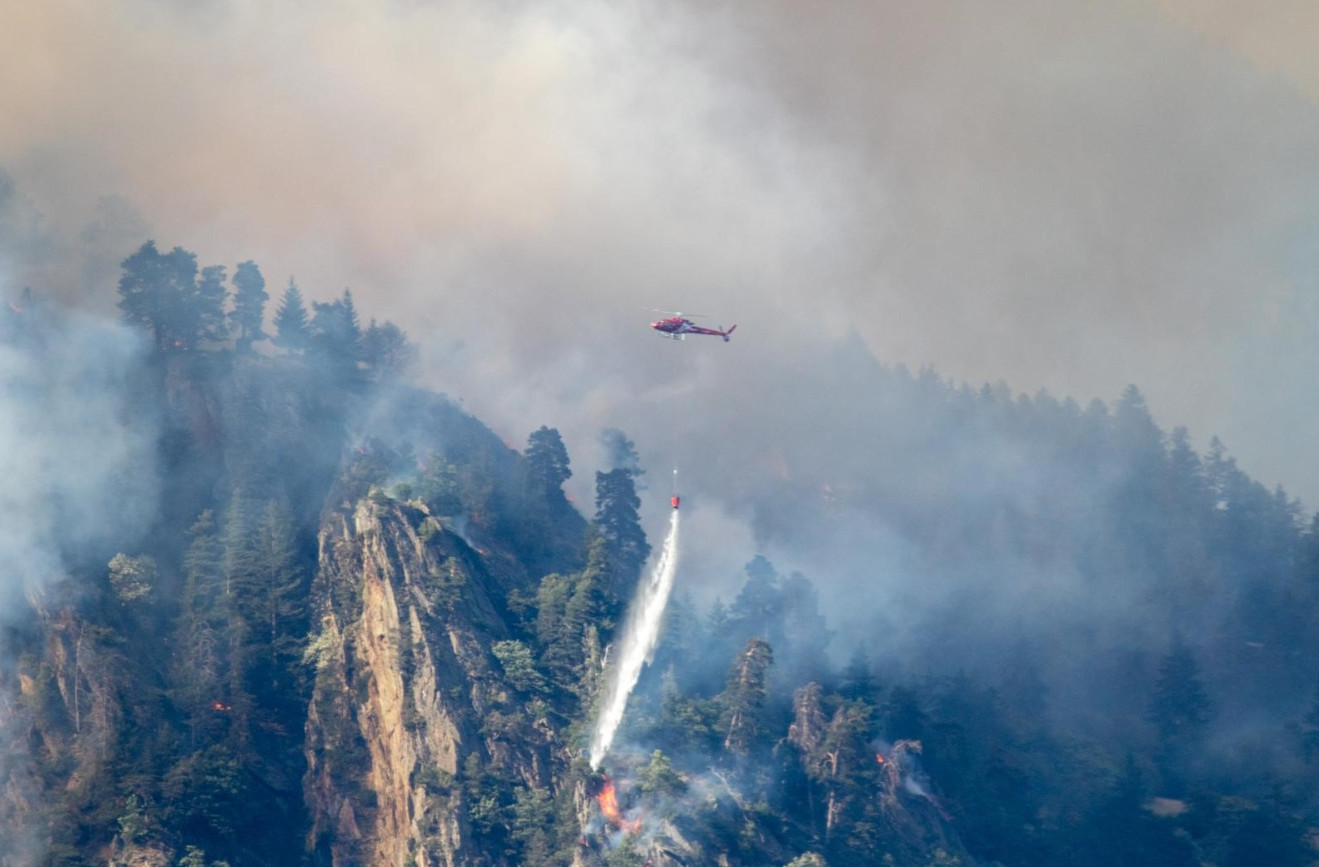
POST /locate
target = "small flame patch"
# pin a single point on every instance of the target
(608, 800)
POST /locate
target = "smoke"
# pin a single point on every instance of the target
(640, 635)
(1067, 197)
(1071, 197)
(77, 441)
(621, 454)
(77, 477)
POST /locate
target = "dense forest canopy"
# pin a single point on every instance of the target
(270, 604)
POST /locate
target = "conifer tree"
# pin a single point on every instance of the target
(159, 292)
(547, 460)
(282, 605)
(858, 677)
(387, 350)
(211, 295)
(292, 328)
(1180, 710)
(200, 665)
(744, 698)
(570, 609)
(336, 335)
(616, 516)
(845, 761)
(263, 577)
(758, 608)
(248, 315)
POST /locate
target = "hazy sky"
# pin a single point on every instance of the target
(1065, 196)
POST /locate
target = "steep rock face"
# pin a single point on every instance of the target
(60, 715)
(404, 678)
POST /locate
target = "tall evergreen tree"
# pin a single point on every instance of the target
(292, 328)
(211, 295)
(616, 516)
(570, 609)
(844, 762)
(336, 335)
(250, 297)
(200, 665)
(758, 608)
(547, 460)
(159, 292)
(1180, 710)
(744, 698)
(281, 607)
(387, 350)
(858, 677)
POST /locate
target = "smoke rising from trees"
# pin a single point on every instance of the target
(1070, 198)
(77, 442)
(1074, 200)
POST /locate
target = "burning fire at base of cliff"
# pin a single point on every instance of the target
(607, 798)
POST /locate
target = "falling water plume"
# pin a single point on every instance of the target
(639, 638)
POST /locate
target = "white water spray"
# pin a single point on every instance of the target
(639, 638)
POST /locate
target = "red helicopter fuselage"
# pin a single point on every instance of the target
(678, 327)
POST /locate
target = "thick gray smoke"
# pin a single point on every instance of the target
(78, 437)
(77, 442)
(1073, 196)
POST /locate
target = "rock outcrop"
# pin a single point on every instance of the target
(404, 679)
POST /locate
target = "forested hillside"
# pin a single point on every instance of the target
(354, 626)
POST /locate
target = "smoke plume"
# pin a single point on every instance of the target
(76, 441)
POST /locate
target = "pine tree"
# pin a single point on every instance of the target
(803, 634)
(1187, 488)
(553, 632)
(211, 295)
(336, 336)
(904, 715)
(758, 608)
(616, 516)
(1180, 710)
(199, 668)
(658, 778)
(159, 293)
(283, 604)
(265, 579)
(547, 460)
(683, 641)
(292, 328)
(844, 758)
(248, 315)
(570, 609)
(858, 677)
(387, 350)
(744, 698)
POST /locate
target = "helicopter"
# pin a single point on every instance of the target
(677, 327)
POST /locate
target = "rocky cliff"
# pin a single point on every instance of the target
(404, 683)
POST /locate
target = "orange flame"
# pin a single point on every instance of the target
(608, 800)
(220, 706)
(879, 757)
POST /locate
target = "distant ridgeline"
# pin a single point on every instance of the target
(359, 629)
